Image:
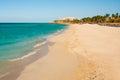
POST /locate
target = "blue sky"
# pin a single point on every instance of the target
(49, 10)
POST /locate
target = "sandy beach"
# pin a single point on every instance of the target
(82, 52)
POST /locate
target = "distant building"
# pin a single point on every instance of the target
(65, 20)
(68, 18)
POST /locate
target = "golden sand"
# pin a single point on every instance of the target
(82, 52)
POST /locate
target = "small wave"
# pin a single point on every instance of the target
(54, 34)
(37, 46)
(31, 53)
(40, 44)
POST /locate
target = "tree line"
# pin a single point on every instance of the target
(98, 19)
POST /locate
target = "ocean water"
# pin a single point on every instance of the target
(19, 39)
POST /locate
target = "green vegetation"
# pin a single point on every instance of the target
(106, 19)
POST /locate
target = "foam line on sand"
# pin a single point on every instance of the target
(82, 52)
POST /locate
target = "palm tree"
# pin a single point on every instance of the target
(95, 19)
(116, 15)
(113, 15)
(107, 16)
(75, 21)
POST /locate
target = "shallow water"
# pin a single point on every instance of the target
(19, 39)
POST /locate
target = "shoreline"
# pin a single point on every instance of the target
(78, 53)
(13, 72)
(75, 53)
(18, 66)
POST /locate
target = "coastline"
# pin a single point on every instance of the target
(86, 52)
(18, 64)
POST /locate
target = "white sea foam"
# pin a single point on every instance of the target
(40, 44)
(37, 46)
(50, 36)
(29, 54)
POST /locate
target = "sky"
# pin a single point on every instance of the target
(49, 10)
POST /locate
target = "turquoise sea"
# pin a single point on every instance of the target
(19, 39)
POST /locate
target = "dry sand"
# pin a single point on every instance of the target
(82, 52)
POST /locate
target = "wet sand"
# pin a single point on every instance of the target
(82, 52)
(11, 70)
